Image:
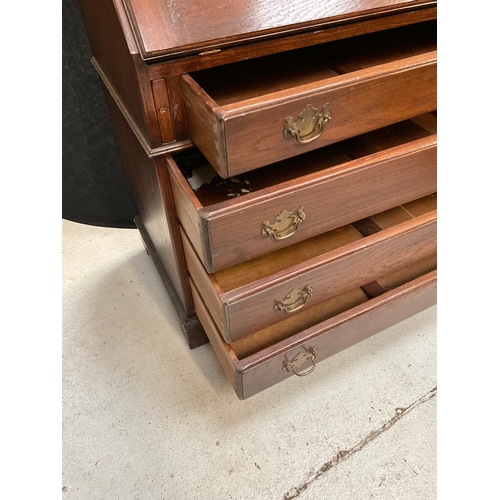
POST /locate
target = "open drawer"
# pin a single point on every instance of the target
(253, 113)
(264, 291)
(296, 345)
(235, 220)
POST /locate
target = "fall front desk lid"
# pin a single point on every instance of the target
(175, 27)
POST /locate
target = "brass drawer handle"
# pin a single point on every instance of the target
(309, 125)
(299, 360)
(284, 225)
(294, 300)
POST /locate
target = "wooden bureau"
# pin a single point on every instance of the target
(282, 156)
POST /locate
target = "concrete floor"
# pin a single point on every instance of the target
(144, 417)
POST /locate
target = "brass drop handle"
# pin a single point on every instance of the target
(294, 300)
(284, 225)
(309, 125)
(296, 363)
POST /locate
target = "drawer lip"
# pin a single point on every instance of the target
(389, 308)
(233, 128)
(207, 234)
(355, 263)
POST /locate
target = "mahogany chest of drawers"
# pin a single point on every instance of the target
(283, 159)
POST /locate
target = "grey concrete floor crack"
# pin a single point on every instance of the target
(343, 455)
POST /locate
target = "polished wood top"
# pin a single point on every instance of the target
(172, 27)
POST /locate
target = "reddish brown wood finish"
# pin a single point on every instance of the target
(193, 331)
(329, 274)
(151, 188)
(162, 105)
(116, 56)
(230, 232)
(263, 369)
(113, 46)
(172, 69)
(141, 55)
(118, 60)
(241, 136)
(175, 28)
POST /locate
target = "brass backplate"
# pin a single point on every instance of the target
(285, 224)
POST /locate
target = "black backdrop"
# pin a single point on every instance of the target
(95, 189)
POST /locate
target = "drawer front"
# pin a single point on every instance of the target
(243, 136)
(242, 311)
(276, 363)
(262, 222)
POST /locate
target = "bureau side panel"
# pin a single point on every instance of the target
(114, 50)
(151, 189)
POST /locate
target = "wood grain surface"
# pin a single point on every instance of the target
(265, 368)
(329, 274)
(172, 69)
(229, 232)
(330, 266)
(363, 281)
(353, 319)
(249, 133)
(115, 50)
(151, 188)
(165, 27)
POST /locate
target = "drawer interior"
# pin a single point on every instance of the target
(256, 78)
(210, 189)
(365, 51)
(279, 260)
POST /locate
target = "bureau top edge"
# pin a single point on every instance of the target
(166, 29)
